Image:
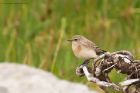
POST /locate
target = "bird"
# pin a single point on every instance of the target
(84, 48)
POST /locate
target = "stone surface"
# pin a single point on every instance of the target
(15, 78)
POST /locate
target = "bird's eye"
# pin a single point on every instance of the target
(75, 39)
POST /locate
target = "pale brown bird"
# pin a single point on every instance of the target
(84, 48)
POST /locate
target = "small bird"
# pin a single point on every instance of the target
(84, 48)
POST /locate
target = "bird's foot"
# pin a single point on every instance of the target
(79, 70)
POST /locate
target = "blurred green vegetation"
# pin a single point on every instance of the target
(34, 32)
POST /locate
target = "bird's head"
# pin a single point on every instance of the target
(76, 38)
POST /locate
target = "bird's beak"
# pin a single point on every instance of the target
(70, 40)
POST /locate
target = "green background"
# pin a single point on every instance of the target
(34, 32)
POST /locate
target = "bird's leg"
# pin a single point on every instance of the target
(79, 69)
(84, 63)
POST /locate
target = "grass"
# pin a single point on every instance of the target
(35, 33)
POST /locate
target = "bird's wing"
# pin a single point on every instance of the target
(87, 43)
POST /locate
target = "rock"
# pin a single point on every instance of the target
(3, 90)
(18, 78)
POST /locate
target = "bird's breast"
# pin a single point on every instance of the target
(83, 52)
(76, 49)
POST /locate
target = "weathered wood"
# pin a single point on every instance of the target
(123, 62)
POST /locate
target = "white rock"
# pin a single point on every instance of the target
(15, 78)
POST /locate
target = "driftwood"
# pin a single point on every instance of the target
(123, 62)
